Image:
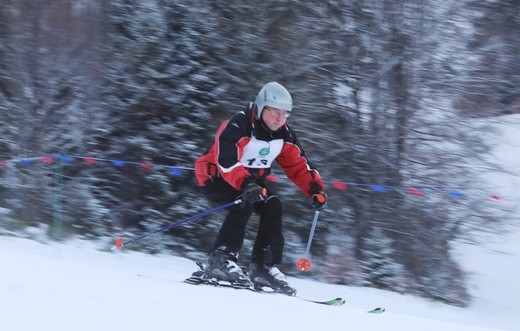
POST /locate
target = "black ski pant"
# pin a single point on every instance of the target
(269, 243)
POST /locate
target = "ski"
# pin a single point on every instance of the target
(196, 280)
(199, 278)
(377, 310)
(332, 302)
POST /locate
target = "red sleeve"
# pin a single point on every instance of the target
(231, 138)
(296, 167)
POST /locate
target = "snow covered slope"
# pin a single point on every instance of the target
(73, 286)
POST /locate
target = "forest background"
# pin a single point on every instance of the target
(106, 104)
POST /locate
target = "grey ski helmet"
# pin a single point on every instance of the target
(273, 95)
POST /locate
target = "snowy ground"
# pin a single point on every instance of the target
(74, 286)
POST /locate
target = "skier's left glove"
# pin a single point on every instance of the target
(319, 198)
(319, 201)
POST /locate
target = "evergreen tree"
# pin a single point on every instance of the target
(46, 71)
(379, 269)
(160, 95)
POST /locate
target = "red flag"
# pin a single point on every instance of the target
(146, 166)
(47, 159)
(90, 160)
(339, 186)
(415, 191)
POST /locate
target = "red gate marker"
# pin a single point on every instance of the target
(119, 242)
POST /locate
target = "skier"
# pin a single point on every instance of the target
(236, 166)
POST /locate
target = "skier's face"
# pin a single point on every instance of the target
(274, 118)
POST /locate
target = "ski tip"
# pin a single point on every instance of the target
(336, 302)
(119, 242)
(377, 310)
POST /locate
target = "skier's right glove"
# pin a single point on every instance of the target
(253, 193)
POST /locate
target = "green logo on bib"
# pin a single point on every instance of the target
(264, 151)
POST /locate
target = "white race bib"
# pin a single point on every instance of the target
(260, 153)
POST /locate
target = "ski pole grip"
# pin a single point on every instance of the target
(320, 197)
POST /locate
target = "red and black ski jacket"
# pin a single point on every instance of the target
(244, 149)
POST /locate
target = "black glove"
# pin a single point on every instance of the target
(319, 201)
(253, 193)
(319, 198)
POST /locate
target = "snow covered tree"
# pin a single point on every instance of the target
(48, 75)
(160, 95)
(379, 267)
(490, 85)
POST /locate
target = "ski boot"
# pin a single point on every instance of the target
(263, 275)
(222, 267)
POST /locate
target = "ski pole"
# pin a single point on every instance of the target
(120, 243)
(304, 263)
